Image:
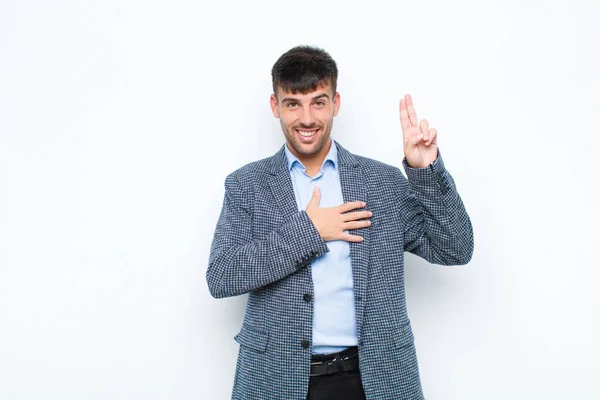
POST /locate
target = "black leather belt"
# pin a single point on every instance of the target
(338, 363)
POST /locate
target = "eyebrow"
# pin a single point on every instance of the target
(287, 99)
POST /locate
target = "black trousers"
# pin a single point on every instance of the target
(338, 386)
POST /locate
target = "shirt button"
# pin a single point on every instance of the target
(305, 344)
(307, 297)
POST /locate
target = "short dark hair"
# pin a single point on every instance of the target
(302, 69)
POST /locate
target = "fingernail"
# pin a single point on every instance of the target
(364, 204)
(370, 214)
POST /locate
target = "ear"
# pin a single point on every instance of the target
(336, 104)
(274, 106)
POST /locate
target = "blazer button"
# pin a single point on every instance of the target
(305, 344)
(307, 297)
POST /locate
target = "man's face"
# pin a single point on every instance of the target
(306, 119)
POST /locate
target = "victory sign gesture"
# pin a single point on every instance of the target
(420, 142)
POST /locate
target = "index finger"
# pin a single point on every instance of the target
(404, 116)
(351, 205)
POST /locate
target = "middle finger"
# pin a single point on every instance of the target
(412, 113)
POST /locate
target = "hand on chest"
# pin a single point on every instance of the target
(329, 184)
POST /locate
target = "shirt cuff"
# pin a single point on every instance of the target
(434, 173)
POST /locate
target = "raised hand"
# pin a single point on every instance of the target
(420, 142)
(332, 222)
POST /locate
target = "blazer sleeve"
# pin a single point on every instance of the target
(239, 263)
(436, 224)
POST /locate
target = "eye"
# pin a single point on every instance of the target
(320, 103)
(291, 104)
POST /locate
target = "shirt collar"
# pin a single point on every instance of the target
(332, 156)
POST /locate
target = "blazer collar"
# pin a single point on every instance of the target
(279, 163)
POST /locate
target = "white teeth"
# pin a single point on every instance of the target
(306, 133)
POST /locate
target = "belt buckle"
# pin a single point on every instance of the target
(331, 362)
(321, 363)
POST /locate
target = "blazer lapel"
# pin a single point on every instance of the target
(281, 185)
(354, 188)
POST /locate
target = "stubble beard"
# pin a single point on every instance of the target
(300, 148)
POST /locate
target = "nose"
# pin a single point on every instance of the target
(307, 118)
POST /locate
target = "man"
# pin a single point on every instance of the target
(316, 235)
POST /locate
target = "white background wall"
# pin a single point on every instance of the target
(119, 121)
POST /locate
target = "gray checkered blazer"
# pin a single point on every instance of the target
(264, 246)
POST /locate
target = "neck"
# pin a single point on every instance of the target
(313, 162)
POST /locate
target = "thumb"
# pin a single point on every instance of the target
(315, 199)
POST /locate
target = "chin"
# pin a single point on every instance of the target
(308, 149)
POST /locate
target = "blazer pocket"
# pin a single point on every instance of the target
(253, 338)
(403, 336)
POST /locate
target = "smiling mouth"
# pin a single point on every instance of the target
(307, 133)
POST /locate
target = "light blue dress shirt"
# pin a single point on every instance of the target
(334, 319)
